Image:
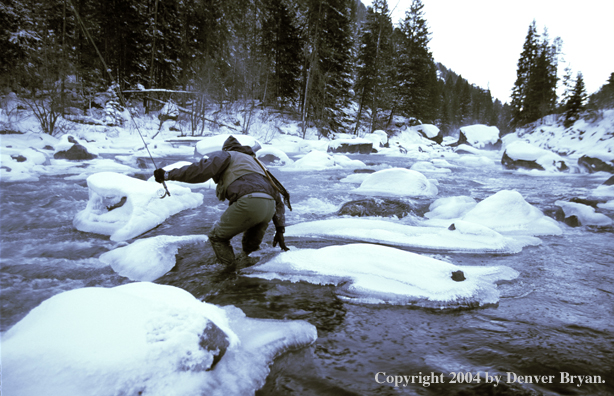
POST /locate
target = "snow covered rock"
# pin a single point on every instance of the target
(385, 207)
(596, 163)
(450, 207)
(69, 148)
(520, 154)
(430, 132)
(214, 143)
(508, 212)
(376, 274)
(142, 339)
(270, 155)
(319, 160)
(379, 138)
(397, 181)
(361, 146)
(576, 214)
(464, 237)
(150, 258)
(478, 136)
(124, 207)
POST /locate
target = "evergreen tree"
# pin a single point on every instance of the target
(604, 98)
(523, 73)
(374, 60)
(327, 78)
(534, 92)
(415, 66)
(281, 46)
(576, 103)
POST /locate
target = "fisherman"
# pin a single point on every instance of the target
(252, 191)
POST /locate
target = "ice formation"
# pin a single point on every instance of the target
(463, 237)
(150, 258)
(124, 207)
(377, 274)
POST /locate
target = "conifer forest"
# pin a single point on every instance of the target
(335, 64)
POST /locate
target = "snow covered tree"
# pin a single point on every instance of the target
(604, 98)
(415, 66)
(534, 92)
(576, 103)
(373, 85)
(281, 46)
(327, 78)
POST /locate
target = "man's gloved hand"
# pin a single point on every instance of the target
(279, 238)
(159, 175)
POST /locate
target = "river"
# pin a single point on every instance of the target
(557, 317)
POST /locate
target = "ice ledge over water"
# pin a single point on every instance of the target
(377, 274)
(135, 205)
(465, 238)
(141, 339)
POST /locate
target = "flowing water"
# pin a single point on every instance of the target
(556, 317)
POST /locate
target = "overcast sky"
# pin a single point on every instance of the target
(482, 39)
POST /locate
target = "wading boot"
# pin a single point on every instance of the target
(223, 251)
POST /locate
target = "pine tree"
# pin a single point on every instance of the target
(327, 77)
(523, 73)
(415, 65)
(534, 92)
(576, 103)
(374, 59)
(604, 98)
(281, 46)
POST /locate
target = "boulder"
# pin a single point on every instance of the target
(214, 340)
(76, 153)
(609, 182)
(593, 164)
(510, 163)
(360, 146)
(384, 207)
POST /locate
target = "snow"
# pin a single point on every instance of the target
(480, 135)
(214, 143)
(429, 130)
(507, 212)
(319, 160)
(585, 136)
(375, 274)
(585, 214)
(423, 166)
(450, 207)
(603, 191)
(379, 138)
(150, 258)
(141, 338)
(521, 150)
(476, 161)
(395, 182)
(466, 237)
(142, 211)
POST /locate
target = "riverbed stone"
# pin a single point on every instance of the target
(384, 207)
(76, 153)
(213, 339)
(592, 164)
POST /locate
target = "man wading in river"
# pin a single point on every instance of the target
(253, 195)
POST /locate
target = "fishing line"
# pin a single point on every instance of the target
(119, 92)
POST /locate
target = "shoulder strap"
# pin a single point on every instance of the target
(276, 184)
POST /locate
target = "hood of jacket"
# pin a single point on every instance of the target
(232, 144)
